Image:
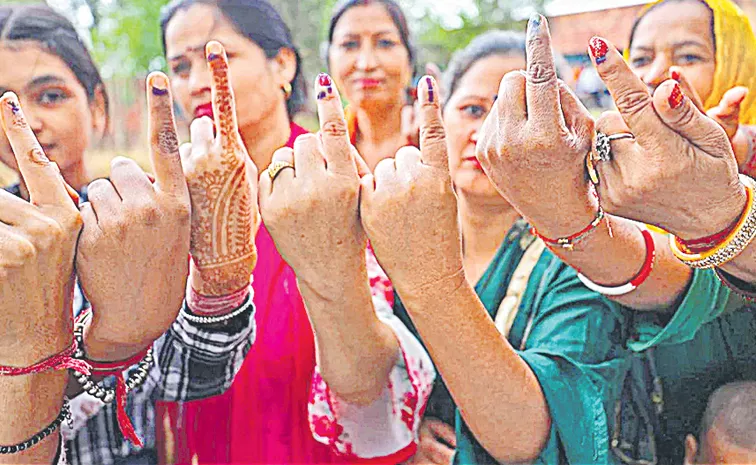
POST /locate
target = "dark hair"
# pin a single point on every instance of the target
(259, 22)
(393, 9)
(490, 43)
(40, 23)
(732, 410)
(649, 10)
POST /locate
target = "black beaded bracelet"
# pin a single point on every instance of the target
(65, 414)
(136, 377)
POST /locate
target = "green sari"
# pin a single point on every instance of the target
(575, 347)
(709, 341)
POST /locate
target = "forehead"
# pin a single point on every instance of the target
(674, 22)
(485, 75)
(365, 20)
(191, 28)
(30, 61)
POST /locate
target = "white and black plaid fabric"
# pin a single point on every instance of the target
(192, 362)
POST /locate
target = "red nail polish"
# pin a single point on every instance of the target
(324, 80)
(675, 75)
(599, 49)
(676, 97)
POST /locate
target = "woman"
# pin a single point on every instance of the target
(371, 59)
(502, 260)
(264, 417)
(62, 92)
(696, 350)
(710, 46)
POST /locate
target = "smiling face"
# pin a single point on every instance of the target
(676, 34)
(55, 103)
(367, 59)
(256, 80)
(464, 114)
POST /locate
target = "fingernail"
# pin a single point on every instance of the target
(676, 97)
(429, 81)
(675, 75)
(599, 49)
(534, 23)
(159, 85)
(326, 84)
(214, 50)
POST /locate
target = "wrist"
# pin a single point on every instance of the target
(567, 217)
(222, 280)
(716, 217)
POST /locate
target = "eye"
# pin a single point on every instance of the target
(181, 68)
(386, 43)
(474, 111)
(688, 59)
(638, 62)
(52, 97)
(350, 45)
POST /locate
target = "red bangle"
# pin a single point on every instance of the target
(569, 242)
(640, 278)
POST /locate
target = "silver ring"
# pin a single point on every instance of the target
(604, 146)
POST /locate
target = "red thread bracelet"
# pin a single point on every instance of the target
(569, 242)
(640, 278)
(709, 242)
(116, 368)
(60, 361)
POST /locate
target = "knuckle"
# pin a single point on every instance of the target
(150, 214)
(182, 211)
(632, 102)
(334, 128)
(25, 251)
(166, 140)
(433, 131)
(539, 73)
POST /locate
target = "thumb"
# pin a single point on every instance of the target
(680, 114)
(727, 113)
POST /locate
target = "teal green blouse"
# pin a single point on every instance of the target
(575, 348)
(709, 341)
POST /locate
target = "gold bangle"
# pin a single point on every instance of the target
(740, 237)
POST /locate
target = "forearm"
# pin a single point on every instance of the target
(29, 404)
(355, 350)
(615, 259)
(491, 384)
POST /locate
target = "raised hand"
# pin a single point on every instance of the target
(679, 172)
(37, 247)
(311, 205)
(132, 257)
(534, 142)
(223, 186)
(409, 208)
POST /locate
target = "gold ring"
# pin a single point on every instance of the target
(276, 167)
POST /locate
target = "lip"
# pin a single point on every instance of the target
(369, 83)
(473, 161)
(205, 109)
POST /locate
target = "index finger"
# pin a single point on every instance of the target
(224, 104)
(334, 134)
(630, 94)
(542, 88)
(164, 143)
(432, 133)
(41, 176)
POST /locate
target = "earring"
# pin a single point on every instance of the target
(287, 90)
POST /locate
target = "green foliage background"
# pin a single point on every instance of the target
(126, 41)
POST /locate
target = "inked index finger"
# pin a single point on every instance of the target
(542, 88)
(164, 143)
(432, 133)
(224, 104)
(334, 134)
(630, 94)
(42, 177)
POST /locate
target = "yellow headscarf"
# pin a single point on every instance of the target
(735, 55)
